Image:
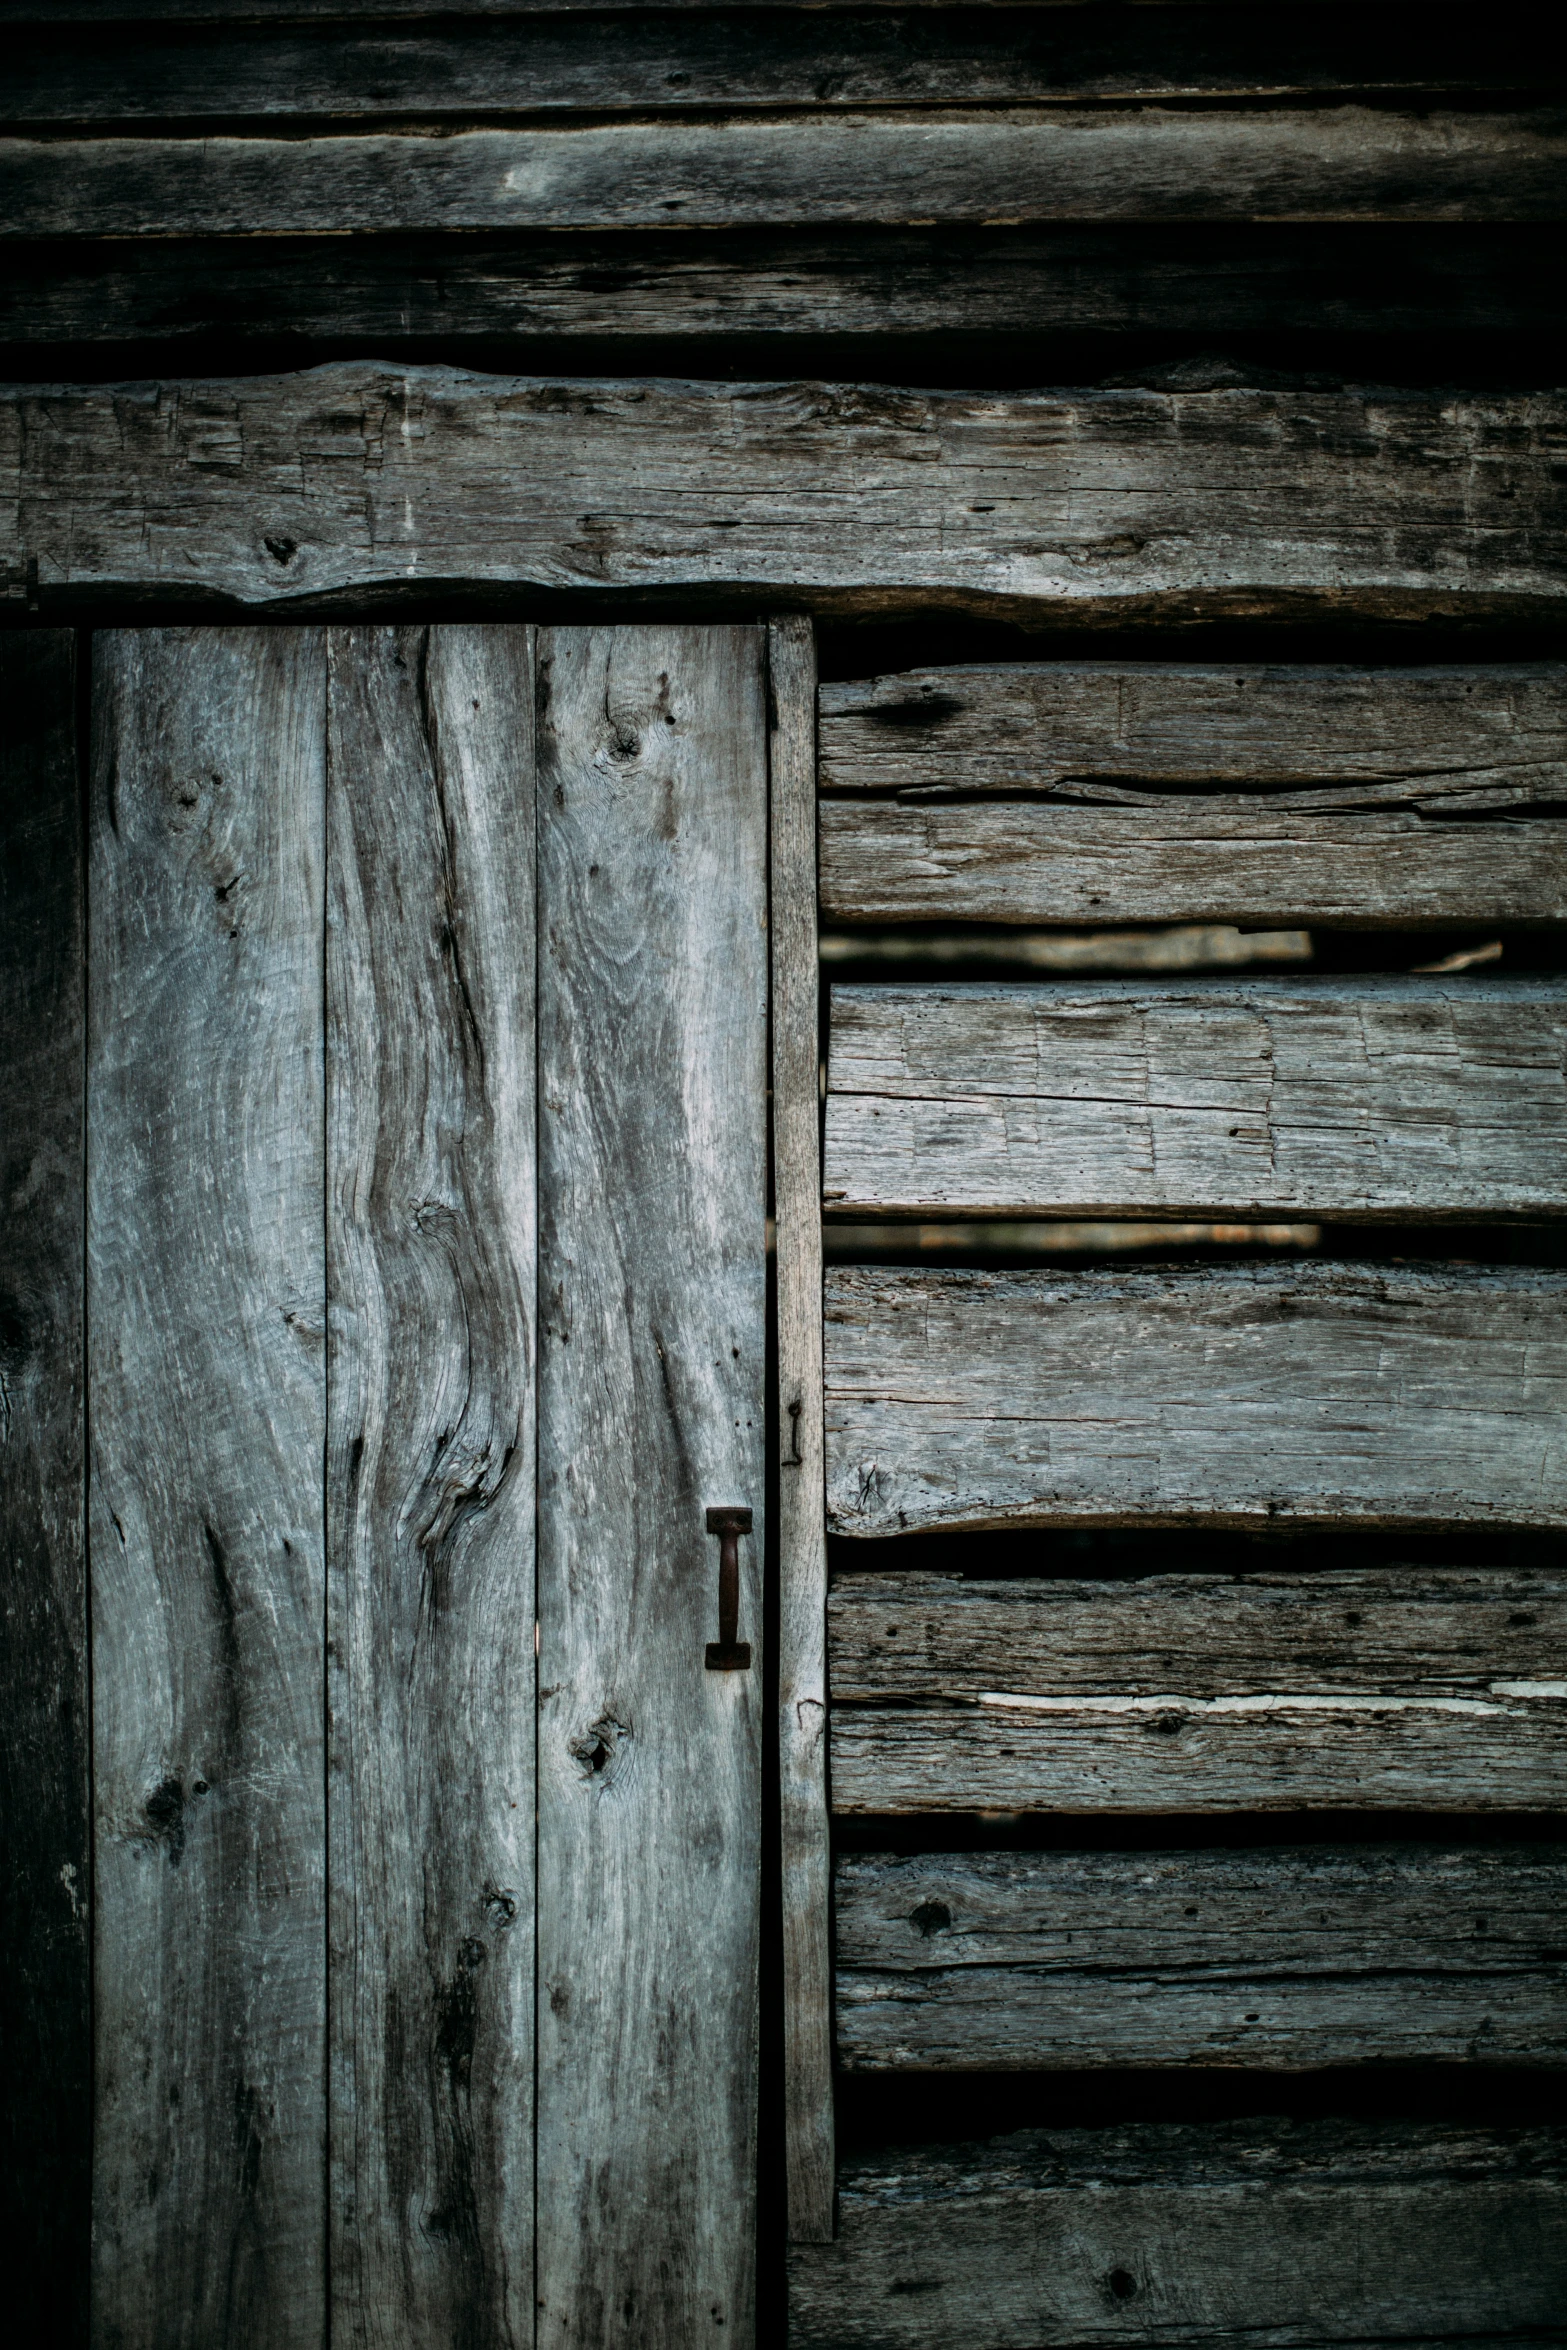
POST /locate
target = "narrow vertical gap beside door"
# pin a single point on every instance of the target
(45, 1896)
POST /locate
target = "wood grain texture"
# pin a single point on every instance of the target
(1013, 166)
(1432, 1632)
(45, 2014)
(1368, 1098)
(1326, 1393)
(1098, 730)
(802, 1534)
(430, 1482)
(1285, 1958)
(673, 61)
(206, 1307)
(1092, 505)
(1396, 1688)
(1392, 862)
(1212, 280)
(652, 802)
(1299, 2236)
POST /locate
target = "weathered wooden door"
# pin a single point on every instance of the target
(426, 1122)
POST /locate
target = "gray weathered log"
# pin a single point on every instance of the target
(1098, 730)
(1285, 1958)
(45, 2013)
(802, 1534)
(1361, 1098)
(1018, 166)
(1435, 1632)
(205, 1316)
(1093, 506)
(1395, 1688)
(1294, 2235)
(652, 802)
(430, 1482)
(1392, 862)
(1319, 1393)
(1209, 279)
(672, 61)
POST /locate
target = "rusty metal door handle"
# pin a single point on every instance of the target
(726, 1654)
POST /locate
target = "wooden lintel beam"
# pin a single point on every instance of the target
(367, 484)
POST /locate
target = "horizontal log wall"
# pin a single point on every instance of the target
(1417, 1098)
(1318, 1394)
(1407, 1631)
(647, 288)
(1115, 730)
(177, 179)
(522, 60)
(1392, 1689)
(1305, 2235)
(871, 170)
(1379, 1954)
(382, 482)
(1112, 793)
(744, 126)
(1388, 864)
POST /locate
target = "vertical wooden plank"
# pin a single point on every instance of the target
(45, 2042)
(430, 1038)
(205, 1318)
(802, 1537)
(652, 1286)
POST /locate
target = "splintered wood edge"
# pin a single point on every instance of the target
(802, 1538)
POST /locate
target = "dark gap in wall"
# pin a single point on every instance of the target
(1161, 956)
(1046, 1246)
(1077, 1248)
(1458, 306)
(960, 1832)
(1122, 1553)
(923, 633)
(909, 2108)
(770, 2178)
(978, 362)
(849, 649)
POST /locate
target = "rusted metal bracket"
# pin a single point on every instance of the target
(726, 1654)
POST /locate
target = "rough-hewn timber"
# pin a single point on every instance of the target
(1099, 730)
(1207, 279)
(1362, 1098)
(45, 2019)
(206, 1311)
(1391, 1688)
(876, 169)
(671, 61)
(1123, 505)
(430, 1482)
(1320, 1393)
(652, 801)
(1242, 2232)
(1284, 1957)
(802, 1535)
(1434, 1632)
(1403, 858)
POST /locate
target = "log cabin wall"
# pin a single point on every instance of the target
(1147, 421)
